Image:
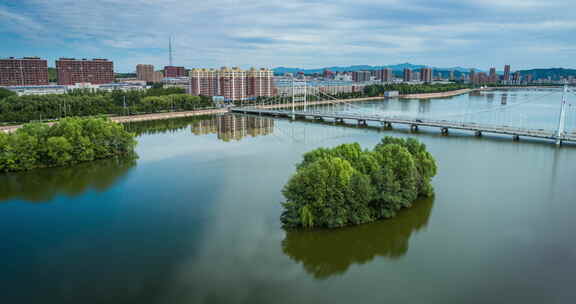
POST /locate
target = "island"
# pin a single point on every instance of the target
(345, 185)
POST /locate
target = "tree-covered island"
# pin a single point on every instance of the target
(346, 185)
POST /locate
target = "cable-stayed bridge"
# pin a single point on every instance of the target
(308, 102)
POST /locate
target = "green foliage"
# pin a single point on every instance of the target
(52, 75)
(404, 88)
(345, 186)
(70, 141)
(6, 93)
(89, 103)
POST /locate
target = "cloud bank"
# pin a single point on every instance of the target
(299, 33)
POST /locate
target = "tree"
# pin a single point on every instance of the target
(345, 185)
(6, 93)
(327, 193)
(59, 150)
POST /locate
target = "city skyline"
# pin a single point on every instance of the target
(448, 33)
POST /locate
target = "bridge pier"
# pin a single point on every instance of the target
(413, 128)
(319, 118)
(386, 124)
(444, 131)
(478, 133)
(516, 137)
(362, 122)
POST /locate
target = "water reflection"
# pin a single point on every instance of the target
(44, 184)
(234, 127)
(424, 106)
(490, 97)
(327, 253)
(163, 125)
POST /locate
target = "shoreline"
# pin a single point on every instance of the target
(141, 117)
(168, 115)
(523, 87)
(436, 95)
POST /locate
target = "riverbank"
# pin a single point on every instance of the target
(168, 115)
(436, 95)
(143, 117)
(523, 87)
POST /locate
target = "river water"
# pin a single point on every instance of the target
(195, 219)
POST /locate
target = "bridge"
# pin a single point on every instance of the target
(322, 110)
(414, 124)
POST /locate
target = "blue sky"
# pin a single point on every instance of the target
(295, 33)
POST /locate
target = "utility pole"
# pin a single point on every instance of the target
(562, 119)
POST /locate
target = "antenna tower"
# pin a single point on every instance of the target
(170, 50)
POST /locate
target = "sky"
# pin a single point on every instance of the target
(295, 33)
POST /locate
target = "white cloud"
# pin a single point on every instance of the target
(299, 33)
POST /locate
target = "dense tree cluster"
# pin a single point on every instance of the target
(6, 93)
(403, 88)
(70, 141)
(346, 185)
(86, 103)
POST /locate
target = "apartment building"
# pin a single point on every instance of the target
(232, 83)
(174, 72)
(95, 71)
(145, 72)
(27, 71)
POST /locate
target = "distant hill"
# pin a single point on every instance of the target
(395, 67)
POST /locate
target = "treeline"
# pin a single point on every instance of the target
(67, 142)
(6, 93)
(346, 186)
(403, 89)
(17, 109)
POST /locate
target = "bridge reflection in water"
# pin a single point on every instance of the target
(325, 253)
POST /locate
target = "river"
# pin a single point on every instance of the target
(195, 219)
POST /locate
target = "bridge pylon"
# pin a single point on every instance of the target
(562, 119)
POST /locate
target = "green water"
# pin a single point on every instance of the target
(195, 219)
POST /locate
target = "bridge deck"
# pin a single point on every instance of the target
(443, 124)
